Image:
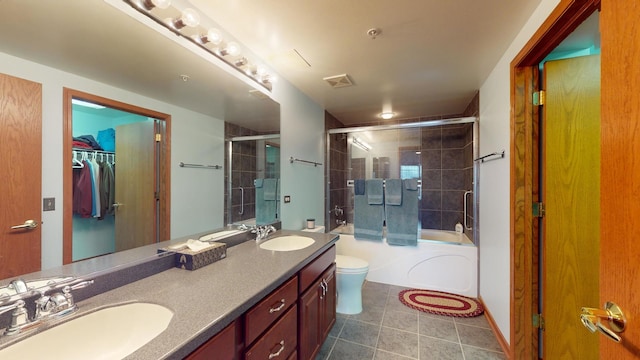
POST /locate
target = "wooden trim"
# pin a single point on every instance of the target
(567, 16)
(495, 329)
(67, 138)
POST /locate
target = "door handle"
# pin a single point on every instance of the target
(592, 318)
(116, 206)
(28, 225)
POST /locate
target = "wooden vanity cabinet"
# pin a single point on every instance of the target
(227, 344)
(317, 307)
(290, 323)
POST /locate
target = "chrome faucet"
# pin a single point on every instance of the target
(19, 285)
(59, 303)
(47, 306)
(19, 317)
(262, 232)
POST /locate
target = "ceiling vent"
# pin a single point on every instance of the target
(338, 81)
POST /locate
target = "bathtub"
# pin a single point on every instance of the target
(442, 261)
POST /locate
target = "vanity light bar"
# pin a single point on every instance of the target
(229, 52)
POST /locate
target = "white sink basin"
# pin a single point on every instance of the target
(110, 333)
(287, 243)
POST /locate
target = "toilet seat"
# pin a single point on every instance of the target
(351, 265)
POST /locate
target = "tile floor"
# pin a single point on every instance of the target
(389, 330)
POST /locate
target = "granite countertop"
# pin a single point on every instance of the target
(206, 300)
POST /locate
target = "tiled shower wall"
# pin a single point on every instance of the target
(337, 181)
(447, 172)
(447, 162)
(244, 171)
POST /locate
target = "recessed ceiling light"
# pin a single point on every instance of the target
(387, 115)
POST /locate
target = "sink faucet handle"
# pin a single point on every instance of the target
(16, 304)
(19, 285)
(19, 316)
(67, 290)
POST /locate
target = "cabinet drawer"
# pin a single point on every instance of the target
(220, 346)
(263, 314)
(279, 342)
(311, 272)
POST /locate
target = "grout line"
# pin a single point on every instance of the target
(459, 340)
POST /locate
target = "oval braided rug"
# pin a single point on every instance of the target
(441, 303)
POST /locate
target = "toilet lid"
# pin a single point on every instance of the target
(350, 263)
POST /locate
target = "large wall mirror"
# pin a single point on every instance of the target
(98, 42)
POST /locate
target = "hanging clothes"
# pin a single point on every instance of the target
(96, 188)
(107, 189)
(82, 191)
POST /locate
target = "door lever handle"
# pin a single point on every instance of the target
(592, 318)
(29, 225)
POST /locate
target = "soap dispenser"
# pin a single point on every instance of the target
(459, 228)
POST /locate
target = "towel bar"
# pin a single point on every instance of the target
(292, 159)
(200, 166)
(484, 158)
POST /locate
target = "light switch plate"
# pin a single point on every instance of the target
(287, 199)
(48, 204)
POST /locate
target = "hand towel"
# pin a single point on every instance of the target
(393, 191)
(375, 191)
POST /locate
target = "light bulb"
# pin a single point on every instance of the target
(214, 36)
(148, 5)
(231, 49)
(190, 17)
(162, 4)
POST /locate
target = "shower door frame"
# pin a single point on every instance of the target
(410, 125)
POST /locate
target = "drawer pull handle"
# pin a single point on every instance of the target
(276, 309)
(277, 353)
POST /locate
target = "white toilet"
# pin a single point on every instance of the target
(350, 274)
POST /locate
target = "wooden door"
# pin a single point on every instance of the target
(20, 188)
(571, 194)
(135, 214)
(620, 169)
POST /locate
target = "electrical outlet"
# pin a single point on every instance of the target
(287, 199)
(48, 204)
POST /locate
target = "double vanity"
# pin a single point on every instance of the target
(273, 299)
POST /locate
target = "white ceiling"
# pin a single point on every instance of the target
(430, 59)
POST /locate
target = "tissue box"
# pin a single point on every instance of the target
(192, 260)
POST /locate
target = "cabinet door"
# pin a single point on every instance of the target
(309, 316)
(317, 313)
(328, 312)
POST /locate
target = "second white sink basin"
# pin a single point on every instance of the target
(110, 333)
(287, 243)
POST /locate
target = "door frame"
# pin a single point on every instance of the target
(524, 179)
(67, 139)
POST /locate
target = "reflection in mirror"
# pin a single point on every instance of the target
(253, 189)
(113, 210)
(129, 61)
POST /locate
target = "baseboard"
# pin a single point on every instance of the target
(506, 349)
